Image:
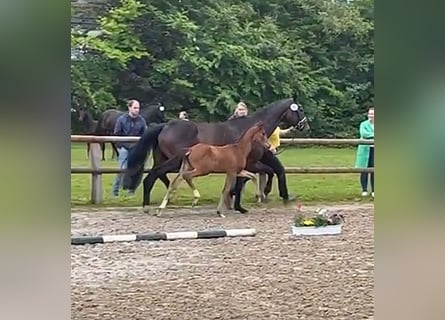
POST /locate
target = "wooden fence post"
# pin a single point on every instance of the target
(96, 178)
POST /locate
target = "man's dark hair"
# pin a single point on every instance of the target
(130, 102)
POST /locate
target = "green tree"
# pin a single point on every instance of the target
(205, 56)
(105, 53)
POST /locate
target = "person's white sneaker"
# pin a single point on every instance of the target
(364, 194)
(372, 194)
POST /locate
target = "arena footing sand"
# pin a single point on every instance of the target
(270, 276)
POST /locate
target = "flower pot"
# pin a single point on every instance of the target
(313, 231)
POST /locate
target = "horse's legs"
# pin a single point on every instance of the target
(264, 171)
(148, 184)
(102, 146)
(196, 194)
(172, 188)
(241, 181)
(273, 162)
(161, 173)
(228, 202)
(222, 198)
(188, 177)
(152, 176)
(164, 180)
(239, 185)
(249, 175)
(225, 194)
(115, 153)
(262, 179)
(268, 184)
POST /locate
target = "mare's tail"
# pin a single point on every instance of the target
(139, 154)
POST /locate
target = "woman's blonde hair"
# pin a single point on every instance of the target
(241, 104)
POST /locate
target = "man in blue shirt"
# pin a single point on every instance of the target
(128, 124)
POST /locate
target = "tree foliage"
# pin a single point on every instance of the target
(206, 55)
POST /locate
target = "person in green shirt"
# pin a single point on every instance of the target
(365, 153)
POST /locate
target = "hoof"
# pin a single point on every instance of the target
(146, 209)
(241, 210)
(220, 214)
(158, 212)
(194, 203)
(262, 199)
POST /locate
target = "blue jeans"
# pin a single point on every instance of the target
(122, 161)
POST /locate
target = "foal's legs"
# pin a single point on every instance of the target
(196, 194)
(225, 194)
(161, 173)
(172, 188)
(249, 175)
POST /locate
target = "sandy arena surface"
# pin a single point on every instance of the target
(270, 276)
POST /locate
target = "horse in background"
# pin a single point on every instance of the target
(88, 123)
(202, 159)
(107, 121)
(166, 140)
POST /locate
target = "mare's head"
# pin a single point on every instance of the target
(294, 115)
(258, 134)
(154, 113)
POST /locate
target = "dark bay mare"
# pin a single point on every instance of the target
(107, 120)
(169, 139)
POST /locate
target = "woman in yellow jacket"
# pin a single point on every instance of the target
(274, 139)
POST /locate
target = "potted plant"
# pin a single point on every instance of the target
(322, 222)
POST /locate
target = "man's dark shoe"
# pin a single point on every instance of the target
(289, 198)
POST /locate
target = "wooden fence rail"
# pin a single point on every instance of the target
(96, 171)
(303, 170)
(354, 142)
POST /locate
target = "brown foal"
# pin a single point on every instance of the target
(203, 159)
